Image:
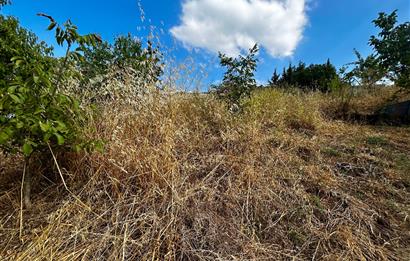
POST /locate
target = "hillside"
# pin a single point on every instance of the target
(183, 178)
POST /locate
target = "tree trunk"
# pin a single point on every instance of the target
(27, 184)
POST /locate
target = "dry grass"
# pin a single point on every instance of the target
(183, 179)
(363, 102)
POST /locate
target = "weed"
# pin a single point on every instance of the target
(377, 140)
(331, 152)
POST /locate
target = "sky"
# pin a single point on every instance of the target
(194, 31)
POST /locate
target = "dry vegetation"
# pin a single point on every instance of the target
(181, 178)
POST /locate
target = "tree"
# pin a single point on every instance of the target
(312, 77)
(126, 52)
(274, 81)
(35, 116)
(288, 76)
(300, 76)
(96, 60)
(238, 81)
(283, 76)
(392, 48)
(17, 41)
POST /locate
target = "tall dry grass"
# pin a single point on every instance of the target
(181, 178)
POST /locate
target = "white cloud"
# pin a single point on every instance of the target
(231, 26)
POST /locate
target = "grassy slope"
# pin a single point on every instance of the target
(183, 179)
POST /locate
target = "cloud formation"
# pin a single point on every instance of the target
(230, 26)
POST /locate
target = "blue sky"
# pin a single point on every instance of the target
(310, 31)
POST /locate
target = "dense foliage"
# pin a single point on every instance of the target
(312, 77)
(127, 52)
(392, 47)
(38, 114)
(17, 41)
(35, 115)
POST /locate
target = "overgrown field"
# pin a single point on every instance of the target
(182, 178)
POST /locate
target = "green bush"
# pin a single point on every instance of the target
(238, 81)
(35, 115)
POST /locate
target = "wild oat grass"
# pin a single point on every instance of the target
(181, 178)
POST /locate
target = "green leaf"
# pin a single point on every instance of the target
(27, 149)
(19, 125)
(99, 146)
(44, 126)
(15, 58)
(77, 148)
(18, 63)
(35, 79)
(15, 98)
(3, 137)
(51, 26)
(76, 105)
(11, 89)
(38, 111)
(60, 139)
(61, 126)
(46, 137)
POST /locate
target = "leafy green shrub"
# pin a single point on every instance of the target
(238, 81)
(35, 116)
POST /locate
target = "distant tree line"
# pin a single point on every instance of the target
(311, 77)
